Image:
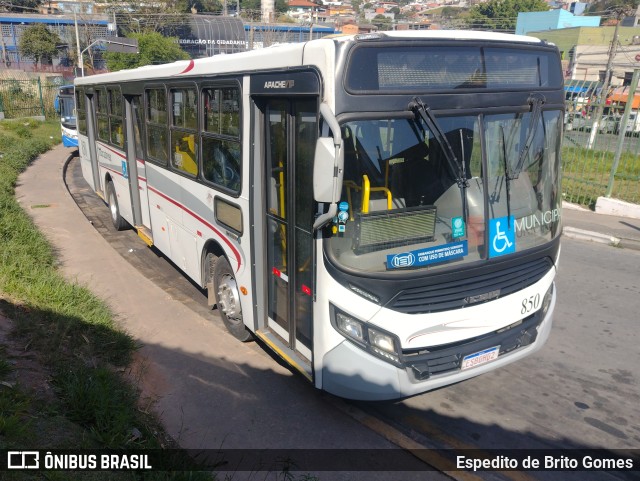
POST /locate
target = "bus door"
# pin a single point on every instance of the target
(94, 179)
(136, 171)
(289, 140)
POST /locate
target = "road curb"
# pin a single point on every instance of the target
(591, 236)
(65, 166)
(630, 244)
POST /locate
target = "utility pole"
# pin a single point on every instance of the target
(5, 58)
(79, 53)
(602, 97)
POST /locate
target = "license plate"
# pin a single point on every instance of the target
(478, 358)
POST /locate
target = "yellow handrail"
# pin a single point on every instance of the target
(367, 189)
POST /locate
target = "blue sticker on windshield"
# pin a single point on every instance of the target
(432, 255)
(502, 236)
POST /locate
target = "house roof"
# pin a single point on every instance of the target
(302, 4)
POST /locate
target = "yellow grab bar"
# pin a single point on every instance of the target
(366, 192)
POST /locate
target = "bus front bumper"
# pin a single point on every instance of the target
(352, 373)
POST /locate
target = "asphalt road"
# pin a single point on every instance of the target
(579, 392)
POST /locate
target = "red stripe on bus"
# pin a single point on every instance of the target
(119, 154)
(189, 67)
(111, 170)
(201, 220)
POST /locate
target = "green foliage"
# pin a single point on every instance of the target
(68, 329)
(201, 6)
(97, 399)
(281, 6)
(452, 12)
(15, 425)
(382, 22)
(154, 49)
(38, 42)
(611, 6)
(20, 6)
(503, 14)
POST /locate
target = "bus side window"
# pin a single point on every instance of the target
(221, 163)
(185, 152)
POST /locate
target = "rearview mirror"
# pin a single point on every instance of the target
(323, 171)
(328, 168)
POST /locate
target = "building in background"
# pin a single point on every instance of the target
(552, 20)
(209, 35)
(12, 27)
(201, 36)
(585, 51)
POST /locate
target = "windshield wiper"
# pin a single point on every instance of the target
(507, 179)
(458, 168)
(536, 101)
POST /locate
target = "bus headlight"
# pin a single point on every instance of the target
(350, 327)
(372, 339)
(382, 341)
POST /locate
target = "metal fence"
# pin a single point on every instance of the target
(601, 146)
(27, 98)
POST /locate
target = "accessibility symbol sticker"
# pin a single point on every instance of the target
(502, 236)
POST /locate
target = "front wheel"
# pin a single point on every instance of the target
(228, 300)
(118, 222)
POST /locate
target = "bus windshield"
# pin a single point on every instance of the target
(410, 201)
(66, 107)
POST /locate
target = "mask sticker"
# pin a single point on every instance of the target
(432, 255)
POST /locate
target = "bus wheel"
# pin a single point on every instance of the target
(228, 300)
(118, 222)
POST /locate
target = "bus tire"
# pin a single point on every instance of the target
(228, 300)
(118, 222)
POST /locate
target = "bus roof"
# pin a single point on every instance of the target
(283, 55)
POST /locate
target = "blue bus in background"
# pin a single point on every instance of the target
(65, 106)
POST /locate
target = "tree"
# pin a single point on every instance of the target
(154, 49)
(39, 43)
(252, 9)
(166, 16)
(21, 6)
(452, 12)
(502, 15)
(605, 7)
(382, 22)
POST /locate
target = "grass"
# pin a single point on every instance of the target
(586, 172)
(68, 331)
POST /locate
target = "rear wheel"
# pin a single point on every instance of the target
(228, 300)
(118, 222)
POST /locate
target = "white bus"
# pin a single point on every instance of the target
(383, 211)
